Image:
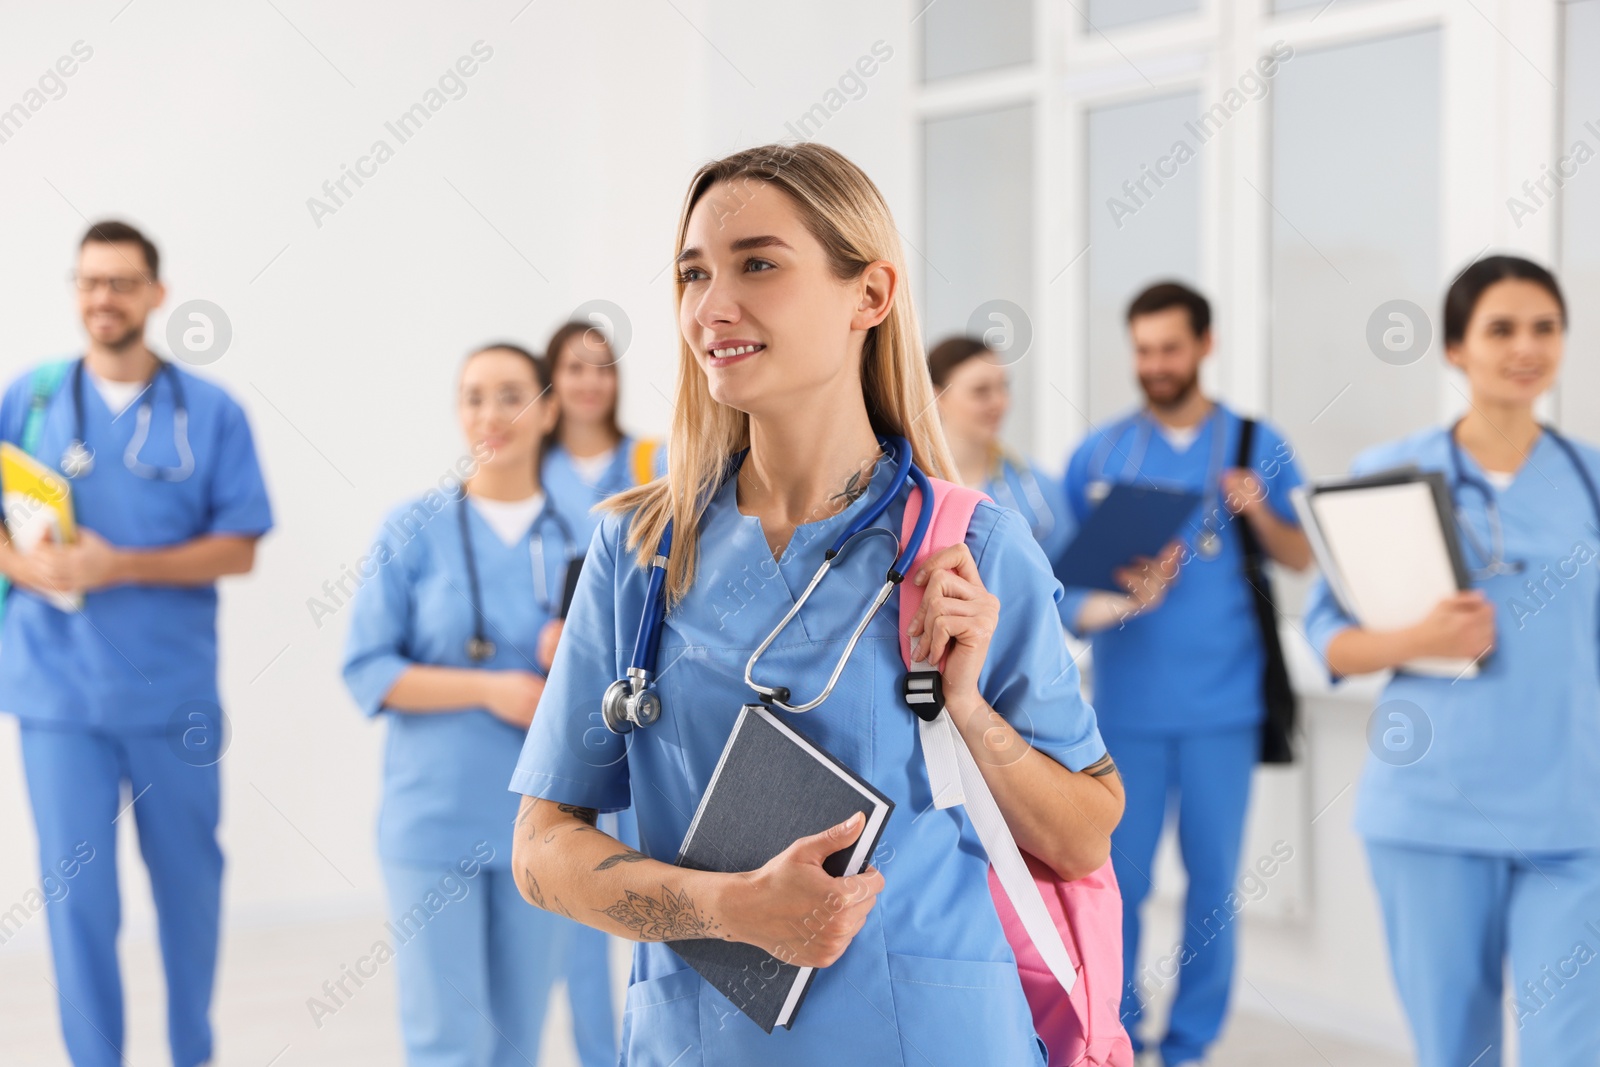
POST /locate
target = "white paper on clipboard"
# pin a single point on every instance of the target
(1386, 556)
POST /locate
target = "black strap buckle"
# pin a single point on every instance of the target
(924, 693)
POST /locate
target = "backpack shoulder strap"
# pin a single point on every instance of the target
(43, 384)
(953, 774)
(953, 507)
(1247, 440)
(644, 461)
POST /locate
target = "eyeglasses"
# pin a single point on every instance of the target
(88, 283)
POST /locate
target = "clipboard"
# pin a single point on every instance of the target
(1132, 521)
(1389, 548)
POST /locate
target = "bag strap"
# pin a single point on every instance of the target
(953, 774)
(644, 461)
(43, 384)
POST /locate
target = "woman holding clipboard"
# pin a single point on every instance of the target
(1479, 807)
(800, 375)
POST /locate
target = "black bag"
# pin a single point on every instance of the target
(1283, 708)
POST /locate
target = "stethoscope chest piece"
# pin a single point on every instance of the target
(77, 460)
(1208, 544)
(480, 649)
(626, 705)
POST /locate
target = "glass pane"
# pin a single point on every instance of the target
(968, 36)
(1143, 227)
(1104, 14)
(1280, 6)
(1355, 227)
(978, 236)
(1580, 220)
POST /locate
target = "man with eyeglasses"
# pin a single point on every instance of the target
(108, 648)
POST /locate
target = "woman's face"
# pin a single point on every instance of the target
(502, 410)
(766, 319)
(584, 381)
(975, 399)
(1511, 351)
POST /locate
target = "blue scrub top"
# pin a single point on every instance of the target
(1025, 488)
(576, 497)
(444, 773)
(930, 975)
(135, 654)
(1514, 755)
(1195, 662)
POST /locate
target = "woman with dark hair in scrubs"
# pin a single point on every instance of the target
(587, 456)
(450, 640)
(974, 399)
(1480, 805)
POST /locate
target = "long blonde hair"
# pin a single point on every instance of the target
(847, 215)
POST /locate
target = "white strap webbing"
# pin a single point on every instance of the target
(955, 778)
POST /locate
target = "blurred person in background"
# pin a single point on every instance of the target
(118, 697)
(1479, 805)
(974, 398)
(450, 640)
(1179, 664)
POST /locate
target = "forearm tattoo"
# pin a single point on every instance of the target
(1102, 767)
(673, 917)
(628, 855)
(588, 815)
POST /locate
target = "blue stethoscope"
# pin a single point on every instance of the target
(630, 701)
(1493, 553)
(78, 458)
(479, 648)
(1043, 519)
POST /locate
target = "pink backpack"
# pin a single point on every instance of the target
(1082, 1028)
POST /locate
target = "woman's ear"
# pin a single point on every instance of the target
(549, 412)
(1452, 356)
(877, 286)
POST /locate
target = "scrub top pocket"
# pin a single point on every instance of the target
(661, 1022)
(945, 1005)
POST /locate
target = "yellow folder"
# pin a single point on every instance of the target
(38, 504)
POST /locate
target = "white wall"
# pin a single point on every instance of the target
(210, 126)
(554, 180)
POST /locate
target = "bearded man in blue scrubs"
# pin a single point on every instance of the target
(118, 697)
(1178, 664)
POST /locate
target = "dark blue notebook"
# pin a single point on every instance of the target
(1132, 521)
(772, 786)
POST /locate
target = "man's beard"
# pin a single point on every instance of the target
(1183, 393)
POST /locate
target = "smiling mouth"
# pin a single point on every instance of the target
(734, 351)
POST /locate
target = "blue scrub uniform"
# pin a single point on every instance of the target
(1026, 489)
(930, 978)
(475, 977)
(1482, 816)
(126, 690)
(1178, 691)
(589, 971)
(576, 496)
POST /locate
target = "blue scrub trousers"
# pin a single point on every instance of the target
(75, 785)
(475, 975)
(1453, 920)
(1206, 776)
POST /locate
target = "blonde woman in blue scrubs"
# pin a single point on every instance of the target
(448, 641)
(799, 361)
(1481, 803)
